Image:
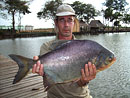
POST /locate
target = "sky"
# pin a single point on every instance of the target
(36, 5)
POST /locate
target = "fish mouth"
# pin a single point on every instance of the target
(107, 66)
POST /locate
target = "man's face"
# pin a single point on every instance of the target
(65, 25)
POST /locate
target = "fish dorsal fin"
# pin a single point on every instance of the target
(59, 43)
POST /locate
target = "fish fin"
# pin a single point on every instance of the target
(46, 83)
(74, 81)
(24, 66)
(58, 43)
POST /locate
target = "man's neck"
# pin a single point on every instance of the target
(65, 38)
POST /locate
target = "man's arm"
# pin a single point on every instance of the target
(87, 75)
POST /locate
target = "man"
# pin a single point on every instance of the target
(65, 23)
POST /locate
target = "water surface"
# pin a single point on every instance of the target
(111, 83)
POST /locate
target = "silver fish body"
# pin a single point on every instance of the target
(65, 61)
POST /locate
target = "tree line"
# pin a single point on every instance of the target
(115, 10)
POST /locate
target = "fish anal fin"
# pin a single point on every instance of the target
(47, 84)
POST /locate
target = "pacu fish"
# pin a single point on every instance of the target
(65, 61)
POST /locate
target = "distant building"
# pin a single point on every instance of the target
(28, 27)
(83, 26)
(96, 25)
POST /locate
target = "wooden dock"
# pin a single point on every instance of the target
(30, 87)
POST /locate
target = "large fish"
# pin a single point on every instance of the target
(65, 61)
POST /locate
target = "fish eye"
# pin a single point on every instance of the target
(110, 59)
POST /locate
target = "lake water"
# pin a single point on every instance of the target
(111, 83)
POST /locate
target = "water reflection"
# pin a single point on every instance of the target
(23, 46)
(111, 83)
(115, 81)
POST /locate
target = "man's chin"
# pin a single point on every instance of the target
(66, 34)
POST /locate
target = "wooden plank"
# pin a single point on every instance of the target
(8, 65)
(20, 90)
(30, 87)
(22, 82)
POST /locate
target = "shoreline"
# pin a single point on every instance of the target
(10, 35)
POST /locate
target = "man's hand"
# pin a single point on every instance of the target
(88, 74)
(38, 67)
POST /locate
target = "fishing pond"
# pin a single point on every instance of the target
(113, 82)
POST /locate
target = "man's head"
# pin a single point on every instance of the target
(65, 21)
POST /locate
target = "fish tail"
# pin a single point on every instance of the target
(25, 64)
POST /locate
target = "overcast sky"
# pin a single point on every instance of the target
(36, 5)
